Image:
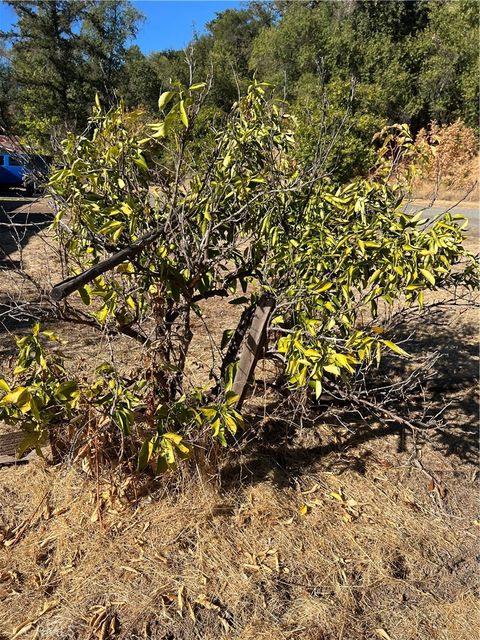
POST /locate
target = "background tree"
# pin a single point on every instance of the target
(408, 61)
(448, 51)
(46, 64)
(7, 92)
(62, 52)
(138, 82)
(107, 27)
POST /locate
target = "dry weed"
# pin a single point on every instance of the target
(448, 160)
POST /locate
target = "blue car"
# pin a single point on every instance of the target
(18, 170)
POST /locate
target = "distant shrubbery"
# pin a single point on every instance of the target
(412, 61)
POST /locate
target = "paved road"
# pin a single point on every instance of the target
(467, 210)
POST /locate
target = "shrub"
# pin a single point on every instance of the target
(448, 155)
(150, 231)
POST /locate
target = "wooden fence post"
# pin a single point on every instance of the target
(253, 347)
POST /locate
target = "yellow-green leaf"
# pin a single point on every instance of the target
(183, 114)
(102, 315)
(165, 99)
(18, 396)
(396, 348)
(428, 276)
(174, 437)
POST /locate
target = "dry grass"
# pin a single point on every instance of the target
(449, 162)
(310, 533)
(375, 550)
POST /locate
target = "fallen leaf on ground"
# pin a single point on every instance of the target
(29, 624)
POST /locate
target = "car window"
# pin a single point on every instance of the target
(16, 162)
(2, 161)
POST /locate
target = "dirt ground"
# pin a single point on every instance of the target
(310, 533)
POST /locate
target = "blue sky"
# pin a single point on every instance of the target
(169, 24)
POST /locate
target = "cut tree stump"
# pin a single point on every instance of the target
(253, 347)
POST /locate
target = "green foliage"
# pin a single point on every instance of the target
(40, 394)
(448, 51)
(410, 61)
(352, 249)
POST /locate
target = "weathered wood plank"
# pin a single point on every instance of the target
(12, 460)
(253, 347)
(9, 443)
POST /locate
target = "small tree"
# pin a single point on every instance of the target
(150, 230)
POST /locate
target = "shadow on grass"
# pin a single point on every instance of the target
(278, 451)
(17, 225)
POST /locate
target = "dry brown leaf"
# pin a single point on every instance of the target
(381, 633)
(191, 612)
(29, 624)
(309, 491)
(180, 600)
(204, 602)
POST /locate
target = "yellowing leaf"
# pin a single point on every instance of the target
(18, 396)
(336, 496)
(304, 509)
(183, 114)
(102, 315)
(324, 287)
(332, 368)
(428, 276)
(231, 424)
(396, 348)
(165, 99)
(126, 267)
(209, 412)
(174, 437)
(141, 162)
(127, 209)
(160, 132)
